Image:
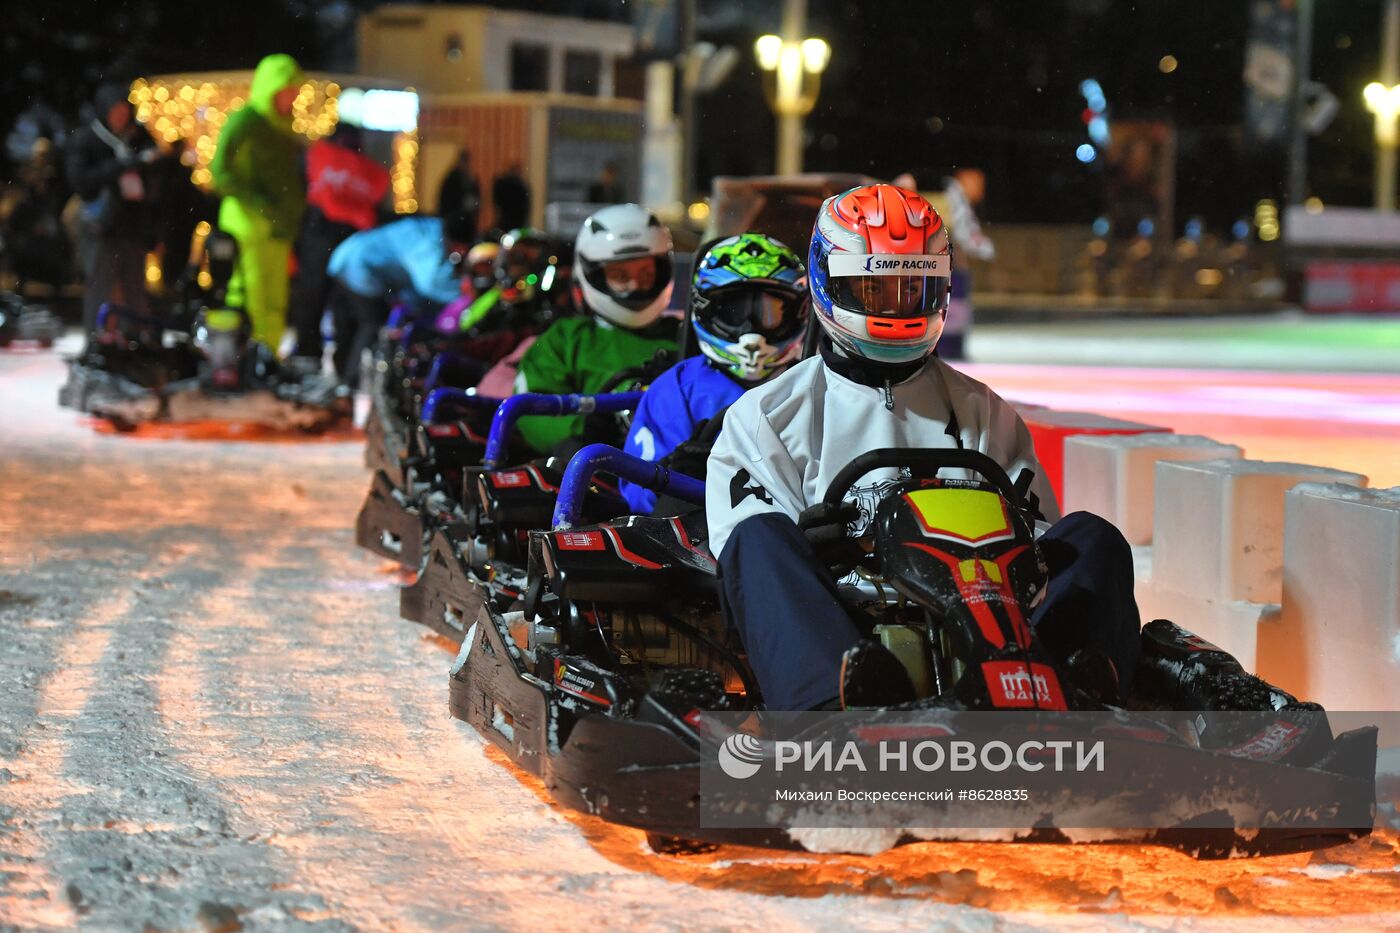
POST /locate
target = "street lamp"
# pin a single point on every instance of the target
(1384, 102)
(792, 81)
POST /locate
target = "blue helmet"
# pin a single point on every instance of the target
(748, 305)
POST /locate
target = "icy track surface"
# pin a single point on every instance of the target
(211, 719)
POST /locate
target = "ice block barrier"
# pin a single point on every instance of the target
(1049, 428)
(1114, 475)
(1217, 554)
(1337, 639)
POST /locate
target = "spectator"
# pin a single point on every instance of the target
(108, 166)
(257, 169)
(415, 261)
(38, 244)
(344, 192)
(511, 198)
(179, 206)
(963, 192)
(459, 198)
(606, 190)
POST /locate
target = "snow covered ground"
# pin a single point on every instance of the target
(211, 719)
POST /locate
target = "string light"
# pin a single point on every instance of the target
(402, 173)
(178, 109)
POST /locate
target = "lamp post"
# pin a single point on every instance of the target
(1383, 100)
(792, 80)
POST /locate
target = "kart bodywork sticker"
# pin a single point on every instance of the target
(968, 516)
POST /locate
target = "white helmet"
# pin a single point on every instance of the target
(622, 261)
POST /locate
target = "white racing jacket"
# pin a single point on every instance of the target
(783, 442)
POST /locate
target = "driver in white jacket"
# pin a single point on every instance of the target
(879, 271)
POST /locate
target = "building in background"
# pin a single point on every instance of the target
(513, 87)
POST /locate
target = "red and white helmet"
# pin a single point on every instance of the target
(881, 269)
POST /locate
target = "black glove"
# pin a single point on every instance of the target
(689, 457)
(692, 455)
(824, 526)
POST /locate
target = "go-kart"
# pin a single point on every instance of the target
(414, 355)
(605, 669)
(139, 368)
(412, 360)
(479, 551)
(418, 484)
(21, 323)
(198, 363)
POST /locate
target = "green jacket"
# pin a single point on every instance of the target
(257, 165)
(581, 355)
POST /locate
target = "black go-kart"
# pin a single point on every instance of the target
(139, 369)
(198, 363)
(413, 357)
(421, 483)
(605, 670)
(22, 324)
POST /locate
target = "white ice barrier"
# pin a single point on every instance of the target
(1219, 525)
(1337, 639)
(1114, 475)
(1217, 554)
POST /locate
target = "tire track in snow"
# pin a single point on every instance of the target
(53, 781)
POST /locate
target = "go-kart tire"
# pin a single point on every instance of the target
(675, 845)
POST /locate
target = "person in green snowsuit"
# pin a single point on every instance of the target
(622, 265)
(257, 169)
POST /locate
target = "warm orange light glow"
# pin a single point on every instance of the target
(195, 113)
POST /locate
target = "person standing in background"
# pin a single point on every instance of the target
(459, 197)
(107, 165)
(511, 198)
(179, 207)
(344, 192)
(964, 191)
(36, 240)
(257, 170)
(607, 189)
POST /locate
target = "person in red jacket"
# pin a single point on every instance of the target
(343, 195)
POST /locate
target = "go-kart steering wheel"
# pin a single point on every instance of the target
(925, 463)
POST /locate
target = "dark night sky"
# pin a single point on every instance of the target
(1002, 77)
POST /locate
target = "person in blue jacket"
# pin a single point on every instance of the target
(416, 261)
(749, 309)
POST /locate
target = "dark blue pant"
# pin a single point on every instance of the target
(783, 602)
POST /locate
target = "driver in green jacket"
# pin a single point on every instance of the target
(257, 169)
(622, 265)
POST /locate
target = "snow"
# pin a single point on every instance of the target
(210, 713)
(501, 723)
(1380, 498)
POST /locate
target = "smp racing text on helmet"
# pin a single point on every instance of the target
(842, 264)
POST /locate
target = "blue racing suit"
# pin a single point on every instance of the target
(688, 393)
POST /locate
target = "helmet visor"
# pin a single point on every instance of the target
(633, 282)
(890, 286)
(521, 259)
(733, 312)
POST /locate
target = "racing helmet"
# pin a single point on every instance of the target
(748, 306)
(480, 265)
(522, 265)
(881, 270)
(623, 262)
(222, 336)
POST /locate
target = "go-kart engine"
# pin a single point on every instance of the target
(657, 639)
